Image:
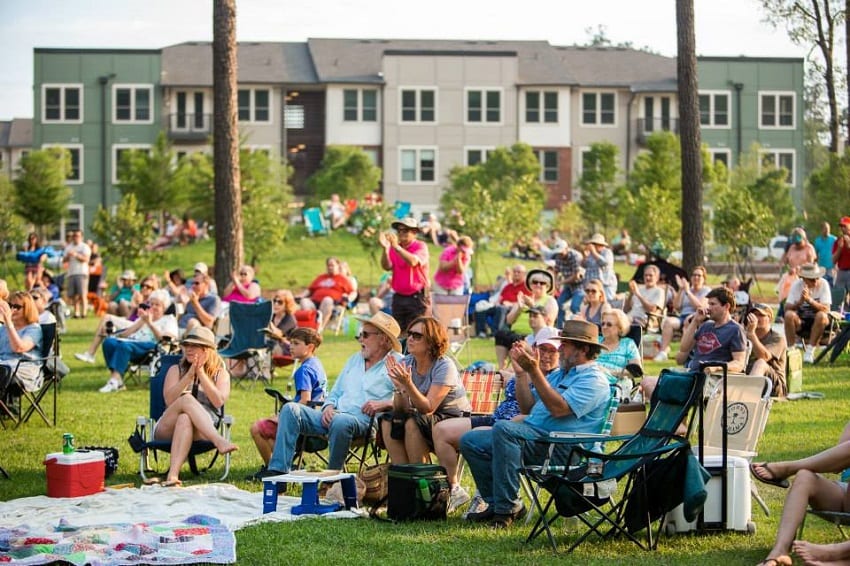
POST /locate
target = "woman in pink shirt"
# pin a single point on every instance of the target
(454, 261)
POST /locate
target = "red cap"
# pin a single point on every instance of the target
(845, 220)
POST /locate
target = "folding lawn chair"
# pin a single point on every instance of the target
(402, 209)
(646, 461)
(838, 518)
(145, 427)
(315, 222)
(50, 374)
(247, 340)
(453, 312)
(141, 369)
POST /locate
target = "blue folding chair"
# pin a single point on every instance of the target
(315, 222)
(247, 340)
(145, 428)
(402, 209)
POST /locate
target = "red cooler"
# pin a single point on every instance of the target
(75, 474)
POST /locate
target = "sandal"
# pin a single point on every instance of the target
(775, 562)
(772, 480)
(172, 483)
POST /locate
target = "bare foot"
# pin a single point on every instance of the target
(812, 553)
(781, 560)
(227, 448)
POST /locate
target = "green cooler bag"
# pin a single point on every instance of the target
(417, 491)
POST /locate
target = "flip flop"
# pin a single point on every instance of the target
(172, 483)
(774, 562)
(152, 481)
(772, 480)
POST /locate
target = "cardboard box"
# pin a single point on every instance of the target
(650, 346)
(628, 419)
(74, 475)
(794, 370)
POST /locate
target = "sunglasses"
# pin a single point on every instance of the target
(365, 334)
(277, 301)
(243, 273)
(195, 283)
(608, 324)
(538, 282)
(146, 286)
(15, 306)
(415, 335)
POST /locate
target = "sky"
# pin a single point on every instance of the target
(723, 27)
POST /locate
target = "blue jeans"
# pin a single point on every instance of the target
(495, 315)
(495, 457)
(119, 352)
(574, 296)
(296, 419)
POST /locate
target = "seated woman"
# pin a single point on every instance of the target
(20, 340)
(282, 322)
(594, 304)
(141, 337)
(195, 391)
(809, 489)
(427, 390)
(447, 433)
(621, 350)
(242, 287)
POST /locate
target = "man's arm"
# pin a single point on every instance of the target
(689, 337)
(204, 317)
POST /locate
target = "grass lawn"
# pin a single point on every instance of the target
(795, 429)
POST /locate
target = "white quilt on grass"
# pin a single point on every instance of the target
(234, 507)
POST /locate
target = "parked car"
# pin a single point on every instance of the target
(773, 252)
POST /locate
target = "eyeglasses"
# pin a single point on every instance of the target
(15, 306)
(146, 286)
(608, 324)
(195, 283)
(415, 335)
(538, 282)
(365, 334)
(243, 273)
(546, 349)
(35, 296)
(277, 301)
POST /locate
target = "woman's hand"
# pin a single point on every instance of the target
(401, 376)
(5, 311)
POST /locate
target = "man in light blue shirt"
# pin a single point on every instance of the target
(573, 398)
(362, 390)
(823, 247)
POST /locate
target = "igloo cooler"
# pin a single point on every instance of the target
(76, 474)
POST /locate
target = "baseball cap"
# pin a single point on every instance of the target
(762, 308)
(202, 267)
(545, 336)
(845, 221)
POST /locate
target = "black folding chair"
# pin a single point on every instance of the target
(50, 374)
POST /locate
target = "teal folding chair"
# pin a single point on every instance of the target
(315, 222)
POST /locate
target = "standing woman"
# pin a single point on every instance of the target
(195, 390)
(594, 304)
(36, 257)
(426, 390)
(454, 261)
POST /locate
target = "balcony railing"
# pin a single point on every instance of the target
(184, 126)
(648, 126)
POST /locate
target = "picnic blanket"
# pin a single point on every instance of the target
(197, 539)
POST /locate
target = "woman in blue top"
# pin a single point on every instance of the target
(594, 304)
(20, 340)
(426, 390)
(621, 350)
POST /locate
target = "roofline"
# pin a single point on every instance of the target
(745, 59)
(94, 51)
(449, 52)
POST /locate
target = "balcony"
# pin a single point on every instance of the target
(648, 126)
(183, 126)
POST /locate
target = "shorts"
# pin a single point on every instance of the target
(267, 428)
(481, 420)
(76, 285)
(506, 338)
(424, 423)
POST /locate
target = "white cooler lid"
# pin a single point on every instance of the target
(75, 457)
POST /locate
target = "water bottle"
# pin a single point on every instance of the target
(67, 443)
(594, 467)
(424, 490)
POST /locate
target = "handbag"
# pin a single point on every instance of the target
(375, 480)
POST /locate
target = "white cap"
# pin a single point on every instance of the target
(202, 267)
(545, 335)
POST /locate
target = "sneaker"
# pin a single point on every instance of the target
(112, 385)
(85, 357)
(458, 497)
(482, 335)
(660, 356)
(476, 506)
(809, 355)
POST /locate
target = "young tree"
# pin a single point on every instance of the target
(12, 230)
(125, 235)
(766, 185)
(601, 197)
(154, 177)
(347, 171)
(228, 201)
(829, 190)
(739, 220)
(42, 198)
(570, 222)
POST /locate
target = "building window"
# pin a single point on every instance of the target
(548, 113)
(72, 221)
(418, 105)
(548, 166)
(75, 154)
(776, 110)
(132, 104)
(477, 155)
(349, 105)
(254, 105)
(293, 116)
(120, 153)
(723, 156)
(370, 105)
(777, 159)
(418, 165)
(359, 105)
(714, 109)
(62, 103)
(484, 106)
(598, 108)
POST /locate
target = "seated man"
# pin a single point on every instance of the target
(644, 300)
(507, 298)
(203, 306)
(712, 335)
(807, 308)
(767, 357)
(326, 291)
(573, 398)
(362, 390)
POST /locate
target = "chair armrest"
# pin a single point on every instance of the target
(141, 421)
(228, 420)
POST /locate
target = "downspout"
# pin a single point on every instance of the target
(104, 158)
(738, 135)
(629, 134)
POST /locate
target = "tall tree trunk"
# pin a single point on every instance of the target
(689, 137)
(847, 57)
(228, 193)
(825, 40)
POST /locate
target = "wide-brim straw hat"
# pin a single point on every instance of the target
(811, 271)
(582, 331)
(200, 336)
(386, 324)
(548, 275)
(597, 239)
(408, 222)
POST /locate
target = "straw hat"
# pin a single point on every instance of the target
(200, 336)
(129, 275)
(408, 222)
(541, 272)
(597, 239)
(386, 324)
(811, 271)
(581, 331)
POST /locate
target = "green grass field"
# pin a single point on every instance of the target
(795, 429)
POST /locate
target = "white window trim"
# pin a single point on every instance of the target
(62, 86)
(484, 90)
(598, 93)
(712, 151)
(580, 165)
(418, 149)
(542, 178)
(482, 148)
(775, 94)
(713, 94)
(542, 122)
(80, 148)
(775, 151)
(253, 105)
(418, 90)
(361, 107)
(114, 157)
(82, 213)
(133, 88)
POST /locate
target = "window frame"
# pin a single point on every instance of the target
(418, 161)
(777, 95)
(713, 94)
(713, 151)
(80, 161)
(485, 108)
(359, 108)
(541, 153)
(63, 87)
(776, 152)
(116, 147)
(134, 89)
(417, 108)
(252, 105)
(543, 110)
(484, 149)
(597, 123)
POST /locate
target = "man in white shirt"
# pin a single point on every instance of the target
(77, 254)
(807, 308)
